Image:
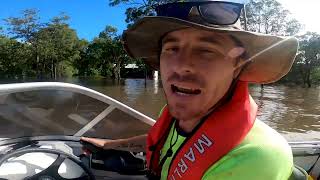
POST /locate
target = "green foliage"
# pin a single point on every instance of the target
(108, 33)
(98, 54)
(306, 69)
(308, 58)
(62, 19)
(47, 50)
(53, 50)
(13, 57)
(83, 65)
(138, 8)
(269, 17)
(106, 54)
(293, 27)
(56, 44)
(315, 74)
(1, 32)
(24, 27)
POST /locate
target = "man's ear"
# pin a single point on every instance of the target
(234, 54)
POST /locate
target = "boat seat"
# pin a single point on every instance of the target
(298, 173)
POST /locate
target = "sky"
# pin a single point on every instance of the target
(306, 12)
(89, 17)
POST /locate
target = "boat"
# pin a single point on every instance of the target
(41, 124)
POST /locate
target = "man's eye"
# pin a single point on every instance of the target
(171, 49)
(206, 51)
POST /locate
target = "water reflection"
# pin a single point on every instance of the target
(156, 86)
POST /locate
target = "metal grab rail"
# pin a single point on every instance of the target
(305, 142)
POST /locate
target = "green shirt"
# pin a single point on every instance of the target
(263, 155)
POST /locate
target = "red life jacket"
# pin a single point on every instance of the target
(220, 132)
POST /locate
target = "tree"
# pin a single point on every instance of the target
(1, 32)
(109, 33)
(308, 58)
(57, 46)
(13, 56)
(107, 53)
(98, 55)
(83, 65)
(61, 19)
(137, 8)
(25, 27)
(118, 57)
(293, 27)
(269, 17)
(53, 44)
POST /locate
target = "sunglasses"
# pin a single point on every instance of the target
(213, 12)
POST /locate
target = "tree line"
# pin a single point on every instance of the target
(53, 50)
(30, 48)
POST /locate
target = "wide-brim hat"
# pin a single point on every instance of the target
(271, 57)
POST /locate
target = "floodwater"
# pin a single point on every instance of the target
(292, 111)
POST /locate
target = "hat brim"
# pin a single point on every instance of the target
(271, 56)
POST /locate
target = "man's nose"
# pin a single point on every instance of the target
(186, 63)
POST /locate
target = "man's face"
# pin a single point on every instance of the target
(196, 71)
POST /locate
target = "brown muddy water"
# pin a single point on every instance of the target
(292, 111)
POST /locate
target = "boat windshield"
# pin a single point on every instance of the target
(51, 111)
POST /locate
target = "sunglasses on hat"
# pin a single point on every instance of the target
(213, 12)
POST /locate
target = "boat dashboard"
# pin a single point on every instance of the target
(66, 157)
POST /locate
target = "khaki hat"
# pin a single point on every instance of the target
(270, 57)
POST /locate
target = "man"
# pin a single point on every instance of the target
(209, 130)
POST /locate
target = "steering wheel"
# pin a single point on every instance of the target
(51, 173)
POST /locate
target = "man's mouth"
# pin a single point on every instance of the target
(184, 90)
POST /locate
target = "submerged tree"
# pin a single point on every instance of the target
(269, 17)
(13, 57)
(57, 46)
(107, 52)
(24, 29)
(308, 58)
(52, 46)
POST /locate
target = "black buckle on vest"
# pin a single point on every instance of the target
(152, 175)
(152, 148)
